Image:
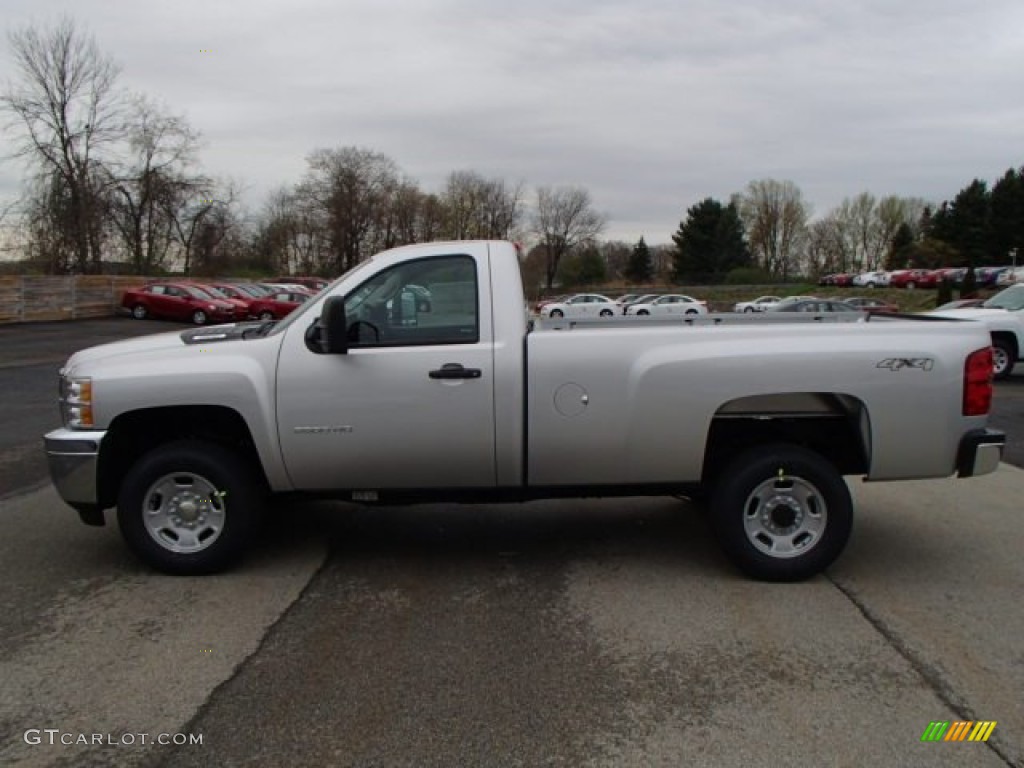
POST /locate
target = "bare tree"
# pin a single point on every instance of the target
(775, 216)
(563, 219)
(479, 208)
(152, 187)
(190, 204)
(350, 185)
(67, 110)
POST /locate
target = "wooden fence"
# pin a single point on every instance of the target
(40, 298)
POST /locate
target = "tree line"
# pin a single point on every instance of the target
(114, 178)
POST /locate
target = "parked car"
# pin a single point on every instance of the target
(760, 304)
(582, 305)
(315, 284)
(177, 301)
(812, 305)
(872, 279)
(239, 294)
(871, 305)
(541, 303)
(626, 298)
(277, 305)
(1010, 276)
(669, 304)
(842, 280)
(643, 298)
(293, 287)
(987, 277)
(912, 278)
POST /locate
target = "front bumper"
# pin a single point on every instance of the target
(980, 452)
(73, 456)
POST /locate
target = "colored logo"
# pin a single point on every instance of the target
(960, 730)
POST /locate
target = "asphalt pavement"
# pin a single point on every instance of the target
(596, 632)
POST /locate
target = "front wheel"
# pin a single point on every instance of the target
(911, 285)
(781, 512)
(606, 313)
(189, 507)
(139, 312)
(199, 317)
(1002, 359)
(557, 313)
(265, 316)
(642, 312)
(748, 309)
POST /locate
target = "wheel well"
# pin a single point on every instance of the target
(132, 435)
(1011, 342)
(832, 425)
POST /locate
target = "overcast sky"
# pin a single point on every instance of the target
(652, 106)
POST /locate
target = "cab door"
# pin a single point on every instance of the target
(411, 405)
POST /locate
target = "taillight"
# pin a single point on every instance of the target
(978, 382)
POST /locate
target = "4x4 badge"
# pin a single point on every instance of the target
(899, 363)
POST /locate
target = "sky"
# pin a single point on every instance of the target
(651, 106)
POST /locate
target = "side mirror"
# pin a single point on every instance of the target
(334, 327)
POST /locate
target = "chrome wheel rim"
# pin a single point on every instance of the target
(184, 512)
(785, 517)
(1000, 359)
(139, 312)
(199, 317)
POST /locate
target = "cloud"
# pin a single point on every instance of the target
(650, 105)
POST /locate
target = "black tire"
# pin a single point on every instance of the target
(222, 523)
(642, 312)
(139, 312)
(911, 285)
(606, 313)
(692, 312)
(748, 309)
(557, 313)
(1003, 359)
(768, 538)
(199, 317)
(265, 316)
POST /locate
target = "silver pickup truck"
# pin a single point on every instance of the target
(419, 377)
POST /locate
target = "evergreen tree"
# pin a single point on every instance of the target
(1007, 216)
(640, 268)
(709, 243)
(900, 247)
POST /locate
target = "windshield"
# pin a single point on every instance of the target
(216, 292)
(198, 293)
(1012, 299)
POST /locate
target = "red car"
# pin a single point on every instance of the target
(277, 305)
(912, 278)
(842, 279)
(177, 301)
(238, 296)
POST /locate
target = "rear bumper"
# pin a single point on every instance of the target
(73, 457)
(980, 452)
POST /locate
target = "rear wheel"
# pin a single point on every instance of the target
(606, 313)
(1002, 358)
(264, 316)
(139, 312)
(557, 313)
(189, 507)
(692, 312)
(642, 312)
(748, 309)
(911, 285)
(199, 317)
(781, 512)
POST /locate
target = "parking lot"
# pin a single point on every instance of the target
(592, 632)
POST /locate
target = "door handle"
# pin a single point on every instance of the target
(455, 371)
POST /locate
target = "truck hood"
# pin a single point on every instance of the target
(161, 341)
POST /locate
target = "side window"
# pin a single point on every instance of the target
(158, 289)
(427, 301)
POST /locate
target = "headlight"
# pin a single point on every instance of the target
(76, 402)
(213, 307)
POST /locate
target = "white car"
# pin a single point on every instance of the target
(1010, 276)
(581, 305)
(670, 304)
(871, 279)
(760, 304)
